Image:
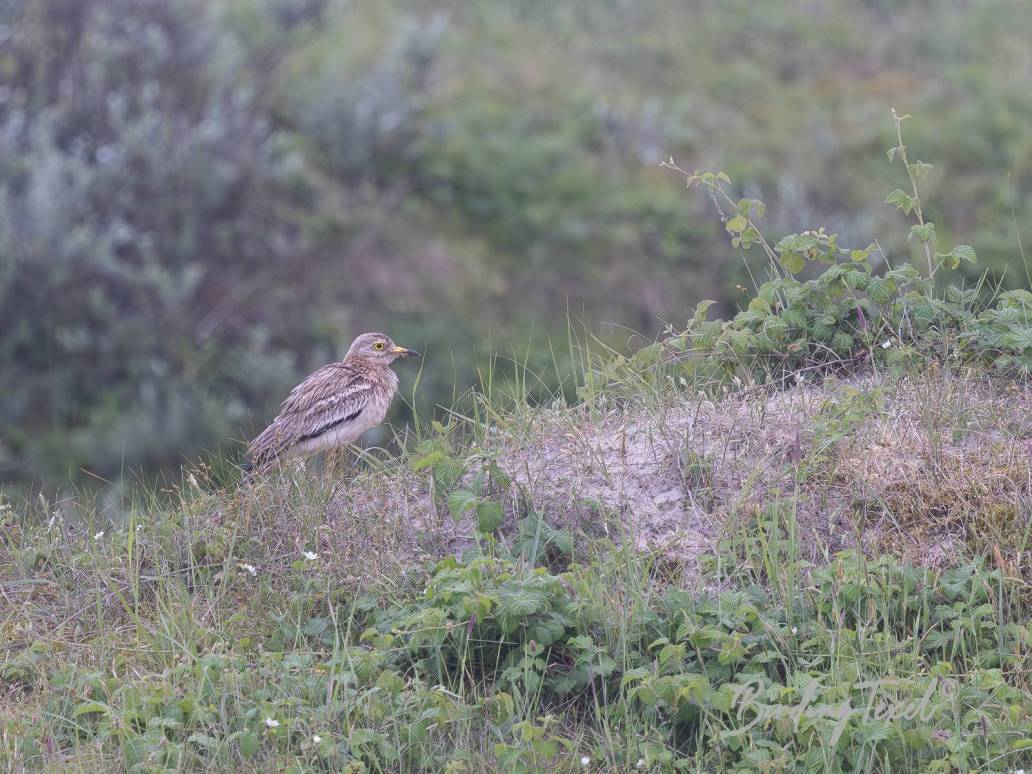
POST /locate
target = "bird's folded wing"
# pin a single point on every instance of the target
(334, 416)
(328, 399)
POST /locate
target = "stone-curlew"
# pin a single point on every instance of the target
(333, 406)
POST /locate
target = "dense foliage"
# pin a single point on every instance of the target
(494, 662)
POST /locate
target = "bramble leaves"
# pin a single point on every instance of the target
(925, 232)
(862, 255)
(489, 516)
(903, 201)
(459, 502)
(493, 641)
(953, 258)
(751, 207)
(793, 262)
(737, 224)
(847, 313)
(918, 169)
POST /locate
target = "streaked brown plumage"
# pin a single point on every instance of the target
(333, 406)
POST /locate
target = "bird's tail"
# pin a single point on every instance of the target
(263, 451)
(254, 465)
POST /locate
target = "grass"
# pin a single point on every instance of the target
(797, 540)
(445, 609)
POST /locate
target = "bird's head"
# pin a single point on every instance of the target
(378, 348)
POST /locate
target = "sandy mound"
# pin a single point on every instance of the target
(928, 469)
(669, 478)
(901, 466)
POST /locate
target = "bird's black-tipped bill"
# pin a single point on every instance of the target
(402, 352)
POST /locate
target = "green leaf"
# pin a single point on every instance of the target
(923, 231)
(965, 253)
(361, 736)
(797, 243)
(875, 731)
(315, 627)
(460, 501)
(499, 477)
(428, 461)
(248, 744)
(760, 304)
(87, 707)
(919, 170)
(204, 741)
(489, 516)
(861, 255)
(748, 206)
(793, 262)
(903, 201)
(953, 258)
(749, 236)
(515, 604)
(736, 225)
(447, 472)
(700, 313)
(501, 706)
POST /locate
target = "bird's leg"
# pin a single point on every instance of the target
(334, 465)
(336, 462)
(329, 466)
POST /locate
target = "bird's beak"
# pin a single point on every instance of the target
(402, 352)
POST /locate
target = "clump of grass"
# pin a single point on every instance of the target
(980, 504)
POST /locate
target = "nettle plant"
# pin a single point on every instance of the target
(850, 313)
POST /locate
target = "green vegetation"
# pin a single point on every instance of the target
(849, 312)
(793, 539)
(445, 609)
(497, 662)
(203, 201)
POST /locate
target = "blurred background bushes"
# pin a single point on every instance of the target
(202, 201)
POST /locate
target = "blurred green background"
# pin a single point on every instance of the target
(201, 201)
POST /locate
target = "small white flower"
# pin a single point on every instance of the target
(585, 761)
(886, 344)
(640, 764)
(311, 556)
(317, 739)
(99, 535)
(795, 630)
(271, 723)
(249, 568)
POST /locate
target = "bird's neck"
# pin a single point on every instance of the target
(366, 364)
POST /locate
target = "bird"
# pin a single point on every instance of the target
(334, 406)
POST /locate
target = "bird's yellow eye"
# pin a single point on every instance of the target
(379, 345)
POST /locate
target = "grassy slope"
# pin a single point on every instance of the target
(323, 620)
(527, 151)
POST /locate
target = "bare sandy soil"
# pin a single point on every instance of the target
(922, 470)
